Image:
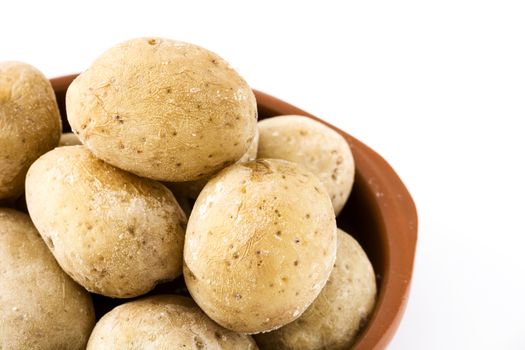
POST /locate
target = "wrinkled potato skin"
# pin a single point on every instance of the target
(114, 233)
(41, 308)
(260, 245)
(69, 139)
(163, 109)
(316, 147)
(163, 322)
(29, 123)
(191, 189)
(343, 307)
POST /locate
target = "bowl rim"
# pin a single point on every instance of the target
(395, 206)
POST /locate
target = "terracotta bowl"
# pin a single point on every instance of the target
(380, 214)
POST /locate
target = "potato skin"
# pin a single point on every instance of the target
(191, 189)
(41, 308)
(343, 307)
(163, 322)
(29, 123)
(315, 146)
(69, 139)
(260, 245)
(113, 232)
(163, 109)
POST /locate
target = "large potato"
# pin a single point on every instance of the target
(29, 123)
(260, 245)
(163, 322)
(343, 307)
(41, 308)
(191, 189)
(163, 109)
(315, 146)
(113, 232)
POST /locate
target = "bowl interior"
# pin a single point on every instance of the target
(380, 214)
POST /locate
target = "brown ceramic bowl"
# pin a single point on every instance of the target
(380, 214)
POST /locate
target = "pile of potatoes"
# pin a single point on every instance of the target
(169, 173)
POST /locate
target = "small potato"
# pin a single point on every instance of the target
(260, 245)
(29, 123)
(191, 189)
(163, 109)
(113, 232)
(315, 146)
(69, 139)
(342, 308)
(163, 322)
(41, 308)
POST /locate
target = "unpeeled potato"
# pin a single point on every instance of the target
(163, 109)
(29, 123)
(113, 232)
(260, 245)
(41, 308)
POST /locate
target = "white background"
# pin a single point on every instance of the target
(436, 87)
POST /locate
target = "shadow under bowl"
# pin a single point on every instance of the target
(380, 214)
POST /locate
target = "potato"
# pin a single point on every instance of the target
(315, 146)
(163, 109)
(69, 139)
(40, 306)
(113, 232)
(342, 308)
(191, 189)
(163, 322)
(260, 245)
(29, 123)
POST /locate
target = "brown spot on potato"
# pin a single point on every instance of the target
(152, 41)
